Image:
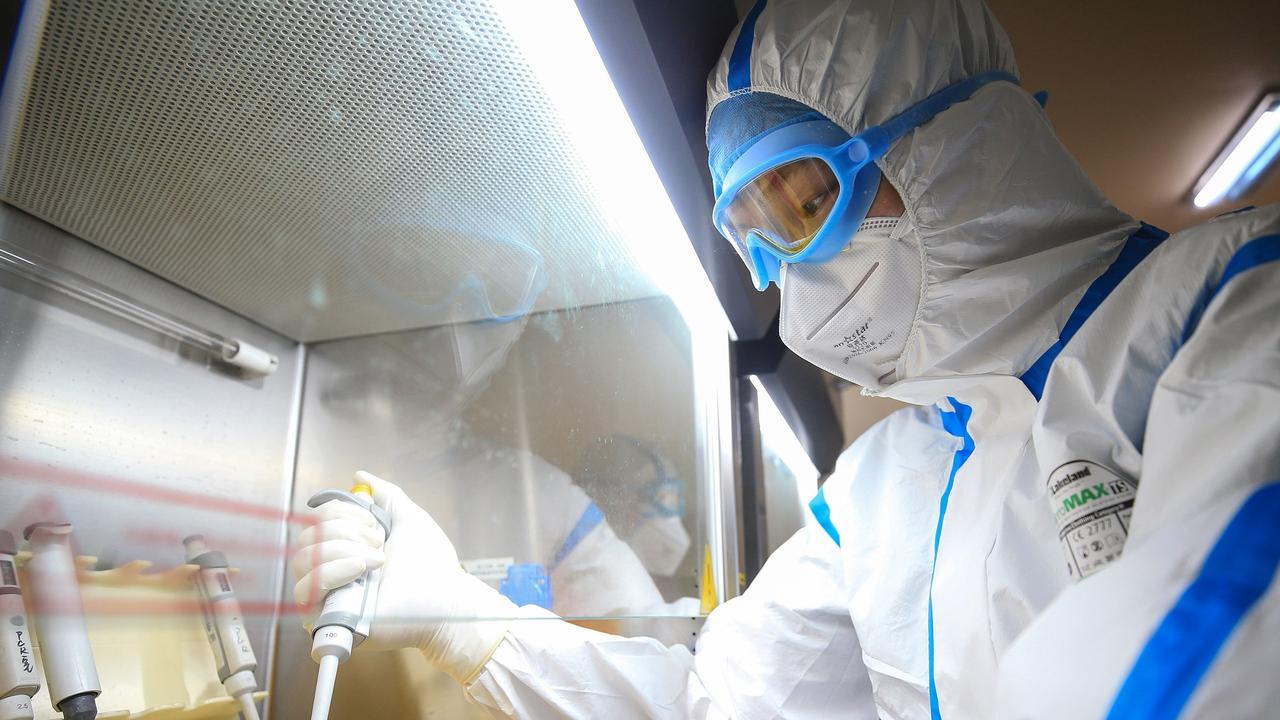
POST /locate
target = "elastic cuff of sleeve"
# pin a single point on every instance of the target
(479, 668)
(528, 612)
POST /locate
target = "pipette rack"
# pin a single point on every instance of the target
(153, 666)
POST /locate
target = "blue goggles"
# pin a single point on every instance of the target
(798, 194)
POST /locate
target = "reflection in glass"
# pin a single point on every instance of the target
(790, 478)
(644, 502)
(440, 220)
(515, 519)
(476, 421)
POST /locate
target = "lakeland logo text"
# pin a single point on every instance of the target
(1070, 478)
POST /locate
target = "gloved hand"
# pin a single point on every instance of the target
(425, 601)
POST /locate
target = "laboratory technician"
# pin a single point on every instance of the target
(1080, 515)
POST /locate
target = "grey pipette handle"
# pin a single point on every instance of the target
(60, 623)
(349, 606)
(378, 513)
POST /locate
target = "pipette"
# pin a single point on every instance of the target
(60, 624)
(18, 678)
(224, 624)
(346, 613)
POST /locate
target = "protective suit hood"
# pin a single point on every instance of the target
(1010, 232)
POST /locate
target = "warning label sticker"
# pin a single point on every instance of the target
(1092, 505)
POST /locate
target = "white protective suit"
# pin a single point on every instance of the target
(1056, 341)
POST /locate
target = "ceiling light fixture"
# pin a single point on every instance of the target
(1251, 151)
(559, 50)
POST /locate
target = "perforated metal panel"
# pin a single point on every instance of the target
(325, 168)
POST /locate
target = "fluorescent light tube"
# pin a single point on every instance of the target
(230, 350)
(557, 47)
(1253, 148)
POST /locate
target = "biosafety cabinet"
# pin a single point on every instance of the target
(250, 247)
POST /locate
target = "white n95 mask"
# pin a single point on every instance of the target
(851, 315)
(660, 542)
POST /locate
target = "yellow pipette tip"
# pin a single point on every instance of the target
(359, 488)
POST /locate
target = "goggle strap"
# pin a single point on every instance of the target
(872, 144)
(880, 137)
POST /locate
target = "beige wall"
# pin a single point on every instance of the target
(1145, 94)
(858, 413)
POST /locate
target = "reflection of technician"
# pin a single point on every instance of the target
(18, 678)
(520, 524)
(641, 498)
(500, 505)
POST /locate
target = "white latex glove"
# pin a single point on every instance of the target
(425, 600)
